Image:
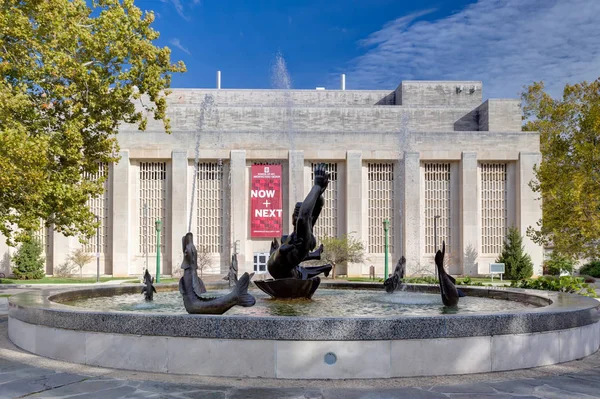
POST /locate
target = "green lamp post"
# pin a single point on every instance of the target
(158, 223)
(386, 225)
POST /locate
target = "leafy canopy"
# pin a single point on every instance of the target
(69, 75)
(568, 178)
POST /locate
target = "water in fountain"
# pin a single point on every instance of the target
(205, 109)
(280, 79)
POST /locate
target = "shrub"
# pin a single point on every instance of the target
(591, 269)
(559, 263)
(518, 264)
(29, 263)
(80, 258)
(573, 285)
(65, 269)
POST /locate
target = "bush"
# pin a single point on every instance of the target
(29, 263)
(591, 269)
(558, 264)
(517, 263)
(573, 285)
(65, 269)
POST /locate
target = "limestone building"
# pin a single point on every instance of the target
(428, 153)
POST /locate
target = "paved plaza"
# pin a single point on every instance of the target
(23, 375)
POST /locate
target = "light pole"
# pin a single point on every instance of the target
(158, 250)
(98, 249)
(146, 235)
(386, 225)
(435, 231)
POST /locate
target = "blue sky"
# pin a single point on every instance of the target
(378, 43)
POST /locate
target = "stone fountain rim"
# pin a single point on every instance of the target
(563, 311)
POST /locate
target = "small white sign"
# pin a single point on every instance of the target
(497, 268)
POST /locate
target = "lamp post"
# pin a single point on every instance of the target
(435, 231)
(146, 235)
(386, 225)
(98, 249)
(158, 222)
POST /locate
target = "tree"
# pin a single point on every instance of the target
(69, 76)
(28, 260)
(204, 258)
(568, 178)
(518, 264)
(80, 258)
(559, 263)
(338, 250)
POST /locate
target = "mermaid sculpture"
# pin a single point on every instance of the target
(192, 288)
(290, 279)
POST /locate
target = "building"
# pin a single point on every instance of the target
(426, 149)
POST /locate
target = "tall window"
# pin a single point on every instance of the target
(437, 203)
(327, 222)
(494, 212)
(42, 236)
(210, 193)
(381, 205)
(99, 207)
(153, 201)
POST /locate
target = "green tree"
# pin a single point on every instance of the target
(559, 263)
(28, 260)
(80, 258)
(70, 74)
(518, 264)
(568, 178)
(338, 250)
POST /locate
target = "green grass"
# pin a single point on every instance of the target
(169, 280)
(64, 280)
(366, 279)
(5, 295)
(483, 280)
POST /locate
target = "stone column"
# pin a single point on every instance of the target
(60, 248)
(296, 186)
(239, 209)
(354, 208)
(469, 214)
(178, 212)
(529, 210)
(411, 198)
(121, 230)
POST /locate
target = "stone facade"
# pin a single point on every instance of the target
(487, 157)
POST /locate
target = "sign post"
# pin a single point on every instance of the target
(158, 222)
(497, 268)
(386, 225)
(266, 208)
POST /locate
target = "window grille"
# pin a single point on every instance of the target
(153, 193)
(327, 223)
(210, 194)
(437, 203)
(381, 205)
(99, 207)
(42, 235)
(494, 212)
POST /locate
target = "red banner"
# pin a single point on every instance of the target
(266, 204)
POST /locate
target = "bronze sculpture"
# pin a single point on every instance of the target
(231, 276)
(447, 283)
(192, 287)
(290, 279)
(392, 283)
(148, 289)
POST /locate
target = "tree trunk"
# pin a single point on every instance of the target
(80, 272)
(333, 270)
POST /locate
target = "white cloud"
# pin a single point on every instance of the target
(178, 7)
(176, 43)
(505, 43)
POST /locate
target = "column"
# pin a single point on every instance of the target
(60, 248)
(411, 198)
(469, 214)
(178, 212)
(239, 209)
(529, 210)
(354, 208)
(296, 186)
(121, 230)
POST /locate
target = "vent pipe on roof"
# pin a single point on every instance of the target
(218, 79)
(343, 81)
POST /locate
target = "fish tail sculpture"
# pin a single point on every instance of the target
(392, 283)
(448, 290)
(192, 289)
(148, 289)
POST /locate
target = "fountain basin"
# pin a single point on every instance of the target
(564, 328)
